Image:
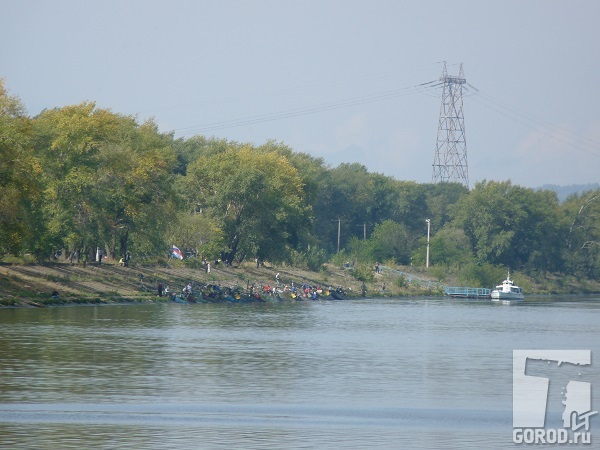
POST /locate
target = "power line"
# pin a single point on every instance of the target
(430, 88)
(262, 94)
(295, 112)
(523, 118)
(553, 131)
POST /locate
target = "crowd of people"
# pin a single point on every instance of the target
(303, 291)
(252, 292)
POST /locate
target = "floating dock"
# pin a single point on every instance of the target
(467, 292)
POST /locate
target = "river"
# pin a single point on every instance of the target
(355, 374)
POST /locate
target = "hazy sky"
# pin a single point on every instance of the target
(335, 79)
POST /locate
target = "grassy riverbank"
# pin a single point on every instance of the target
(33, 284)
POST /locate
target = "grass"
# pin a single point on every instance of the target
(23, 282)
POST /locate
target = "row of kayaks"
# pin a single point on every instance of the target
(217, 294)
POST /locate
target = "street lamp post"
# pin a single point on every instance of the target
(428, 226)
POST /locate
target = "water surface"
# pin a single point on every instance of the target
(376, 373)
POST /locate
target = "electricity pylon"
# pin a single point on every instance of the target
(450, 160)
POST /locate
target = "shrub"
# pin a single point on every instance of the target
(363, 273)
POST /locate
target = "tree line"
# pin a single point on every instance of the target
(80, 177)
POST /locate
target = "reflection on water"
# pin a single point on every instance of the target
(351, 374)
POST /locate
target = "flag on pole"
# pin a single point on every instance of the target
(176, 253)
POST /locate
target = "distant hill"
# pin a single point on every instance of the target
(564, 191)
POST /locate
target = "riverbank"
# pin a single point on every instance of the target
(32, 285)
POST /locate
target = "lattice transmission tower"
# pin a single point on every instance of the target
(450, 160)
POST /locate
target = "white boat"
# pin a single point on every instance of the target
(507, 291)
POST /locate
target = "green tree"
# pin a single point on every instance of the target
(450, 246)
(346, 196)
(258, 199)
(189, 150)
(196, 232)
(68, 141)
(390, 240)
(107, 179)
(582, 243)
(440, 197)
(411, 206)
(136, 195)
(312, 170)
(20, 171)
(511, 225)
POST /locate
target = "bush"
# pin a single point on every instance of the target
(401, 281)
(439, 272)
(313, 259)
(482, 275)
(339, 259)
(193, 263)
(363, 273)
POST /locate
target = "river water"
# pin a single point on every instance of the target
(373, 373)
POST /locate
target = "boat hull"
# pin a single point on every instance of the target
(506, 296)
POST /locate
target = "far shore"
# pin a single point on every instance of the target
(33, 285)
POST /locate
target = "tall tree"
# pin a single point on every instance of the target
(136, 197)
(582, 241)
(449, 246)
(258, 198)
(68, 141)
(20, 172)
(512, 225)
(390, 241)
(106, 177)
(344, 203)
(439, 198)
